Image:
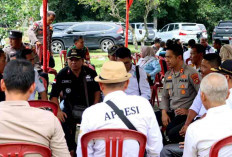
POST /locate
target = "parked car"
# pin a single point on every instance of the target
(223, 31)
(58, 27)
(203, 30)
(96, 35)
(140, 31)
(182, 31)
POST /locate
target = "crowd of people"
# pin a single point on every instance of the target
(194, 113)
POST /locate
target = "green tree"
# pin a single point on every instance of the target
(15, 13)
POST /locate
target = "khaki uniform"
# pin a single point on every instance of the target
(12, 53)
(180, 88)
(21, 123)
(35, 34)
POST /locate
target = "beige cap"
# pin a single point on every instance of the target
(113, 72)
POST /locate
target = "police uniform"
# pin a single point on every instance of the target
(73, 89)
(179, 90)
(12, 53)
(137, 109)
(85, 50)
(35, 33)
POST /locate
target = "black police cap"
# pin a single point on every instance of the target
(75, 53)
(15, 34)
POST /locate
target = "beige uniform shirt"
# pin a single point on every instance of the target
(180, 88)
(11, 53)
(35, 33)
(21, 123)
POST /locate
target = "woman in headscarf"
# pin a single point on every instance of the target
(149, 63)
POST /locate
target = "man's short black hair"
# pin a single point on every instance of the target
(77, 38)
(177, 49)
(200, 48)
(213, 59)
(123, 52)
(191, 42)
(157, 40)
(217, 41)
(19, 75)
(24, 53)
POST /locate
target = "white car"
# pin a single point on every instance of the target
(203, 29)
(140, 32)
(182, 31)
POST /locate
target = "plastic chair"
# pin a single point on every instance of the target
(164, 66)
(154, 94)
(44, 104)
(218, 145)
(63, 53)
(112, 137)
(21, 149)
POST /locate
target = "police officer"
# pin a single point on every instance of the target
(79, 89)
(35, 33)
(16, 45)
(113, 81)
(79, 44)
(181, 84)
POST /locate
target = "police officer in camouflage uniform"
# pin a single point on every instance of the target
(181, 84)
(35, 32)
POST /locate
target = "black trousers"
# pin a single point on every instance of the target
(171, 150)
(173, 128)
(69, 128)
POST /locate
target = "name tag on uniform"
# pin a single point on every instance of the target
(66, 81)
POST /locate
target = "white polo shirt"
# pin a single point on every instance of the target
(140, 113)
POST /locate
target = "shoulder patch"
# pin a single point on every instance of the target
(195, 78)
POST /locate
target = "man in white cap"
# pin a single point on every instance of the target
(113, 81)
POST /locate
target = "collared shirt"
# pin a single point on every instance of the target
(12, 53)
(39, 86)
(203, 133)
(21, 123)
(133, 87)
(35, 33)
(197, 105)
(73, 87)
(138, 111)
(180, 88)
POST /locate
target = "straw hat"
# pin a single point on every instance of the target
(113, 72)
